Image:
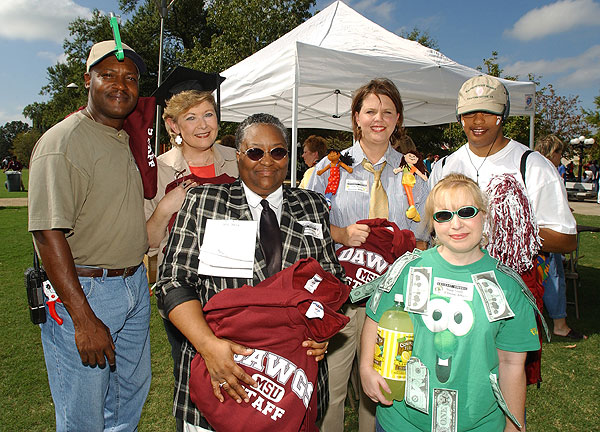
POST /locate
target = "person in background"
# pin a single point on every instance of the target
(259, 194)
(588, 173)
(595, 173)
(405, 144)
(448, 326)
(86, 214)
(313, 150)
(428, 163)
(570, 175)
(14, 165)
(555, 289)
(5, 162)
(228, 141)
(371, 190)
(562, 171)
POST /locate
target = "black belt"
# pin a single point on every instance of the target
(99, 272)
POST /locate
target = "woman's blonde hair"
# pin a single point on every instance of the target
(454, 182)
(549, 144)
(182, 102)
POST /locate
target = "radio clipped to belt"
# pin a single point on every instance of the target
(38, 286)
(34, 279)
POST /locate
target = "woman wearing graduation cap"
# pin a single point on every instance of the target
(191, 120)
(190, 117)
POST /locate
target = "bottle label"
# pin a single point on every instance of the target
(392, 352)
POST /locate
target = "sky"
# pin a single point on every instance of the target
(557, 40)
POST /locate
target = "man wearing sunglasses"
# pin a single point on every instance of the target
(298, 228)
(483, 107)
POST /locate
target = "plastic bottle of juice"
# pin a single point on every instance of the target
(393, 348)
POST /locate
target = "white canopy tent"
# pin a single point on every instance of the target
(306, 77)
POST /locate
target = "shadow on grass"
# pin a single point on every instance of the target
(589, 301)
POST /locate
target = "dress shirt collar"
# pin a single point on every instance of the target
(275, 202)
(391, 156)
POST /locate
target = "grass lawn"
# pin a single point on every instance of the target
(4, 193)
(566, 401)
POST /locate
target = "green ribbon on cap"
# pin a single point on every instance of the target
(114, 23)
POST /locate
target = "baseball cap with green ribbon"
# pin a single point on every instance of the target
(103, 49)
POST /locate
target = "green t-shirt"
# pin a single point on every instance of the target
(456, 342)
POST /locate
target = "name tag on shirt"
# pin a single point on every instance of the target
(453, 288)
(354, 185)
(228, 248)
(312, 229)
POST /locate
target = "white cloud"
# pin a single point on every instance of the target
(555, 18)
(423, 24)
(17, 115)
(374, 8)
(52, 56)
(38, 19)
(577, 71)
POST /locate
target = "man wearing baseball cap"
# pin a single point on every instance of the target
(86, 214)
(483, 107)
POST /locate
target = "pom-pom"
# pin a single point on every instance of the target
(512, 229)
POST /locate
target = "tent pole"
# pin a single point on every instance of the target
(294, 151)
(531, 131)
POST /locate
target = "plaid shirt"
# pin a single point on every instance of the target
(180, 281)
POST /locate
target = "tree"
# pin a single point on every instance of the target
(428, 139)
(592, 118)
(141, 32)
(243, 27)
(206, 35)
(23, 145)
(8, 133)
(423, 37)
(559, 115)
(492, 67)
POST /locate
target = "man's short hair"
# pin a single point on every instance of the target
(482, 93)
(255, 119)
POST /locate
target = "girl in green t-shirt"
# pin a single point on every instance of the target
(471, 335)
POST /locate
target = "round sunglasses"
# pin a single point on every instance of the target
(466, 212)
(256, 154)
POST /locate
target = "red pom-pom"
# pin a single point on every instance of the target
(512, 229)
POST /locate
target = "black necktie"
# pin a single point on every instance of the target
(270, 239)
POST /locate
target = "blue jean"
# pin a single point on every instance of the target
(378, 427)
(555, 288)
(93, 398)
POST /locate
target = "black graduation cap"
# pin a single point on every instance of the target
(182, 78)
